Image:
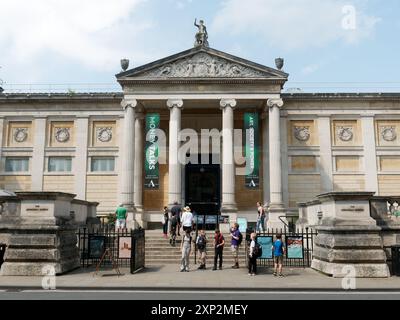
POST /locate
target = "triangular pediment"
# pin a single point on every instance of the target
(203, 63)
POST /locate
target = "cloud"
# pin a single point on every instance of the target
(92, 33)
(296, 24)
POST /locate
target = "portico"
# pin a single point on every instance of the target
(209, 81)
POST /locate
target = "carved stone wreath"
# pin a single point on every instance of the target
(20, 134)
(302, 133)
(104, 134)
(389, 134)
(62, 134)
(345, 133)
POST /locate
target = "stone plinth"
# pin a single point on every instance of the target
(39, 229)
(348, 236)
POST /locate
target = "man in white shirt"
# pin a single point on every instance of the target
(187, 220)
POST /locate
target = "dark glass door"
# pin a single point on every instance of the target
(203, 193)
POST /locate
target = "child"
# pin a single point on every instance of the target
(186, 246)
(219, 243)
(279, 251)
(201, 242)
(252, 256)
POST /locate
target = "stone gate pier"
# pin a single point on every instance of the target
(39, 229)
(348, 237)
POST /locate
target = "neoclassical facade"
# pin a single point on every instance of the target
(94, 145)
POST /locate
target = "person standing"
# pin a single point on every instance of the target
(252, 255)
(120, 215)
(201, 243)
(260, 217)
(186, 247)
(219, 243)
(235, 233)
(165, 222)
(278, 250)
(174, 225)
(176, 211)
(187, 220)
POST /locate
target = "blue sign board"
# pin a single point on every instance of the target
(266, 244)
(242, 222)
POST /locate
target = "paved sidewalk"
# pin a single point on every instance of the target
(168, 277)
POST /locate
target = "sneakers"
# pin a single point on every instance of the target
(275, 274)
(281, 275)
(236, 266)
(214, 269)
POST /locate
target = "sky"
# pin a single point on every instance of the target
(327, 44)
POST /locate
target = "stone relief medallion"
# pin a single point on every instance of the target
(345, 133)
(62, 134)
(389, 134)
(20, 134)
(302, 133)
(203, 65)
(104, 134)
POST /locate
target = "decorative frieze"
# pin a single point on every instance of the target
(20, 134)
(62, 135)
(104, 134)
(204, 65)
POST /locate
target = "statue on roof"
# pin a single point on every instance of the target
(201, 35)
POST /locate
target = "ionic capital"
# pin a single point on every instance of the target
(227, 103)
(275, 103)
(175, 103)
(132, 103)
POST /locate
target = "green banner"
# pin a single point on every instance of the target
(151, 167)
(252, 179)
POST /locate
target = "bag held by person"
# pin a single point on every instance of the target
(257, 251)
(240, 238)
(201, 243)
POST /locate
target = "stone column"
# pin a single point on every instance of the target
(265, 146)
(275, 163)
(370, 162)
(174, 175)
(139, 158)
(80, 161)
(37, 166)
(128, 161)
(228, 164)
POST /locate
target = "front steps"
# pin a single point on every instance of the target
(160, 252)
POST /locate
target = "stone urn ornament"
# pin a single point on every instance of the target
(279, 62)
(124, 64)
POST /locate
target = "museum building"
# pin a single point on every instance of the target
(94, 145)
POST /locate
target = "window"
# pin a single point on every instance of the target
(17, 164)
(102, 164)
(59, 164)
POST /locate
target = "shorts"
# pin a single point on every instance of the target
(278, 260)
(187, 229)
(235, 250)
(121, 223)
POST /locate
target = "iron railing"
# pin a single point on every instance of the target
(305, 236)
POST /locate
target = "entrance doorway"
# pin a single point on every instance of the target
(203, 193)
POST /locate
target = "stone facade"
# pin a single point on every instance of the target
(327, 142)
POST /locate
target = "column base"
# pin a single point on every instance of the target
(277, 217)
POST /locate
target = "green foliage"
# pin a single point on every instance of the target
(111, 218)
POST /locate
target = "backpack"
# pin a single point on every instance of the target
(240, 238)
(257, 251)
(201, 243)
